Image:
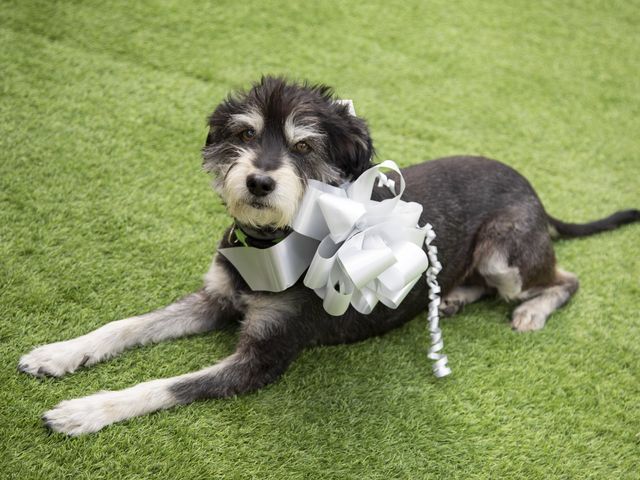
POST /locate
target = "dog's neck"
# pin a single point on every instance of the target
(259, 237)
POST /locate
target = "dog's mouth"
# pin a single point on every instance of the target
(258, 204)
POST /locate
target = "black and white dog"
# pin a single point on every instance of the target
(494, 236)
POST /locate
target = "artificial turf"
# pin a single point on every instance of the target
(105, 213)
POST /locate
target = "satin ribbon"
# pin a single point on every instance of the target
(369, 251)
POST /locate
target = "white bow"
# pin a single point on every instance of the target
(370, 251)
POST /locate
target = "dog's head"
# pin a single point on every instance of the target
(265, 144)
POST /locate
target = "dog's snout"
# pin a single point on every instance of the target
(260, 185)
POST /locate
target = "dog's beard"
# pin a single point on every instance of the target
(275, 210)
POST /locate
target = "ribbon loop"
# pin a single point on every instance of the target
(380, 258)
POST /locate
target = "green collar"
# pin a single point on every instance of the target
(240, 235)
(246, 240)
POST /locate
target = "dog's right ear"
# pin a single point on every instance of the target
(218, 120)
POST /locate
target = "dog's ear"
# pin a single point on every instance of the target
(209, 140)
(350, 145)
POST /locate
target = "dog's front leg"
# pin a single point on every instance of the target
(205, 310)
(258, 360)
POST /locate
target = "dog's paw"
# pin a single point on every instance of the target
(55, 359)
(81, 415)
(449, 307)
(526, 319)
(92, 413)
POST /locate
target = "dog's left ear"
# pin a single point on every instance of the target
(209, 139)
(350, 145)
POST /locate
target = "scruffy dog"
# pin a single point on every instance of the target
(494, 236)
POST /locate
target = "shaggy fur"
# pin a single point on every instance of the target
(263, 147)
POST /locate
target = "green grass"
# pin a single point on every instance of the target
(105, 212)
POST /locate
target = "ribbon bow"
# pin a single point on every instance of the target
(370, 251)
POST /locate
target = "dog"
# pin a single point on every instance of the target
(263, 146)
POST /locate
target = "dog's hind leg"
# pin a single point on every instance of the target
(540, 302)
(197, 313)
(461, 296)
(514, 255)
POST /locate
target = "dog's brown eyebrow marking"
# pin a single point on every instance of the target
(249, 119)
(295, 132)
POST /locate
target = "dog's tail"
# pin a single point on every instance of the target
(560, 229)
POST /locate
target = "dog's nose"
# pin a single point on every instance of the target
(260, 185)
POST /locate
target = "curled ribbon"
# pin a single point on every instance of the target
(440, 367)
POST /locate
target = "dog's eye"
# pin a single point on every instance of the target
(302, 147)
(247, 135)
